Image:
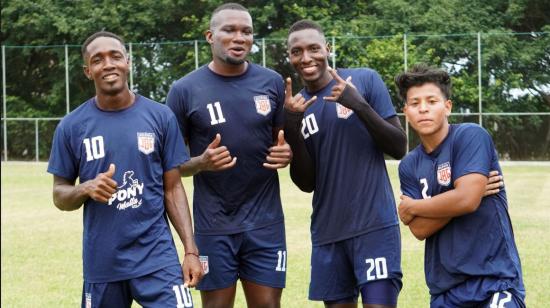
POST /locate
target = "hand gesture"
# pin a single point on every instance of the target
(403, 210)
(192, 270)
(103, 186)
(216, 157)
(339, 87)
(297, 103)
(280, 154)
(494, 183)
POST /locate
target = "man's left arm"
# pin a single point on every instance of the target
(387, 133)
(177, 208)
(463, 199)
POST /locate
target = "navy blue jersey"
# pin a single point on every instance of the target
(128, 237)
(353, 194)
(243, 110)
(479, 244)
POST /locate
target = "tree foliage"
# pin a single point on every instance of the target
(366, 33)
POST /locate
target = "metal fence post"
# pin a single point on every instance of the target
(67, 78)
(36, 149)
(333, 53)
(196, 54)
(405, 63)
(4, 102)
(263, 52)
(131, 55)
(480, 100)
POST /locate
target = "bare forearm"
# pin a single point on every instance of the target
(69, 197)
(191, 167)
(177, 208)
(449, 204)
(423, 228)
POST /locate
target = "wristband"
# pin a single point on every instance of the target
(196, 254)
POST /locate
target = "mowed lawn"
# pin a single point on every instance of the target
(41, 246)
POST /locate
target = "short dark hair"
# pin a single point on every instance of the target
(226, 6)
(420, 74)
(92, 37)
(305, 24)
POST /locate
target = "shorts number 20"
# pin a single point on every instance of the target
(377, 268)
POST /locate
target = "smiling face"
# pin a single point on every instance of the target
(107, 65)
(308, 53)
(230, 37)
(427, 109)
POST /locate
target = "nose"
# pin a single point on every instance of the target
(306, 58)
(109, 63)
(423, 106)
(238, 37)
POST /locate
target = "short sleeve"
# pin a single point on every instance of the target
(62, 160)
(174, 151)
(472, 151)
(408, 182)
(378, 97)
(176, 102)
(278, 118)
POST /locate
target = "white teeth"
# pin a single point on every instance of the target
(110, 77)
(309, 69)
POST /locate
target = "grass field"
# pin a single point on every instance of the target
(41, 246)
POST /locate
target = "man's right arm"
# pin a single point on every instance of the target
(214, 158)
(69, 197)
(302, 169)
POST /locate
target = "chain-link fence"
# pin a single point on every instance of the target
(501, 81)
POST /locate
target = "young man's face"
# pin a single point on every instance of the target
(107, 65)
(231, 36)
(427, 109)
(308, 53)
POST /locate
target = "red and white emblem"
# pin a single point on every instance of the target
(263, 106)
(204, 263)
(444, 174)
(146, 142)
(343, 112)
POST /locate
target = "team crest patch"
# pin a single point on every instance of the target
(444, 174)
(146, 142)
(343, 112)
(204, 263)
(263, 106)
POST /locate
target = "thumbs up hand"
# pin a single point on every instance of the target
(280, 154)
(216, 157)
(103, 186)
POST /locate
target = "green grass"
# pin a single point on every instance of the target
(41, 246)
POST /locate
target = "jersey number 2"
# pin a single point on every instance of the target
(213, 119)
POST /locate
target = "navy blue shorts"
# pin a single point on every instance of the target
(369, 264)
(258, 256)
(483, 292)
(163, 288)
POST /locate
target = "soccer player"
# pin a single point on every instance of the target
(471, 259)
(231, 115)
(339, 127)
(125, 150)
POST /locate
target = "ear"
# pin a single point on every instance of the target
(208, 35)
(448, 107)
(87, 72)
